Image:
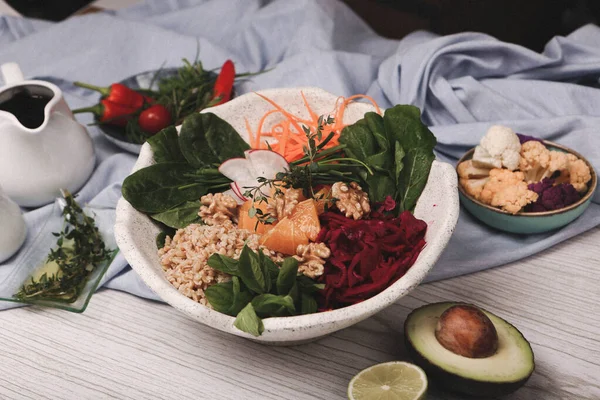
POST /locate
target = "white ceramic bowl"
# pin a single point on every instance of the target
(438, 206)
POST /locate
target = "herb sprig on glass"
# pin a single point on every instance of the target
(79, 250)
(318, 166)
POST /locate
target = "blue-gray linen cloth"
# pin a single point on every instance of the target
(464, 83)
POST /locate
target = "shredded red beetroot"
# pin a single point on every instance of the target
(367, 255)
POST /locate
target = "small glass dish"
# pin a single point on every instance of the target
(32, 258)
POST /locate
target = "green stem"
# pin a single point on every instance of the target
(97, 110)
(105, 91)
(349, 159)
(320, 155)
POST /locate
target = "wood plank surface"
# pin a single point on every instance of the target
(128, 348)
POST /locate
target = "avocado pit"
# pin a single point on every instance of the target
(465, 330)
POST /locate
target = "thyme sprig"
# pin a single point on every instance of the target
(318, 166)
(79, 250)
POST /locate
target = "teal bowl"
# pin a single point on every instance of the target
(529, 222)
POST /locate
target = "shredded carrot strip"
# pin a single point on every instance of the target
(250, 134)
(288, 137)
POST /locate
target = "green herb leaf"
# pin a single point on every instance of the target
(247, 321)
(287, 276)
(269, 305)
(220, 296)
(79, 250)
(224, 264)
(160, 187)
(165, 146)
(307, 285)
(309, 304)
(251, 271)
(180, 216)
(241, 297)
(270, 271)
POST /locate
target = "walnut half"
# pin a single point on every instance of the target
(283, 204)
(351, 200)
(218, 209)
(311, 258)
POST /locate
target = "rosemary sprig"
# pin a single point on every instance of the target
(79, 250)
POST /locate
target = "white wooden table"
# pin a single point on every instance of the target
(129, 348)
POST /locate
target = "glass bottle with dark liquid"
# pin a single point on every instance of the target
(27, 104)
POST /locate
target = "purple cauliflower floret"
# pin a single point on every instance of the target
(526, 138)
(552, 197)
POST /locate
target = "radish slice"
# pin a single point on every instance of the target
(233, 194)
(239, 196)
(266, 163)
(238, 169)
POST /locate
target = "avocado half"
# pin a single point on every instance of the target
(499, 374)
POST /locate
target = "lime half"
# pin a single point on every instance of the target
(395, 380)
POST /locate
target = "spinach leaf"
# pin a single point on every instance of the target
(252, 272)
(381, 158)
(268, 305)
(180, 216)
(247, 321)
(165, 146)
(162, 236)
(398, 163)
(309, 304)
(398, 147)
(403, 125)
(222, 138)
(193, 143)
(220, 296)
(359, 141)
(413, 177)
(160, 187)
(206, 139)
(224, 264)
(287, 276)
(380, 185)
(367, 141)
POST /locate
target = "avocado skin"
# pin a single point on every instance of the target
(458, 384)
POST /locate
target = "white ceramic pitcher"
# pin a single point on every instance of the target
(42, 148)
(12, 227)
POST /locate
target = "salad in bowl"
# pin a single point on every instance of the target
(287, 214)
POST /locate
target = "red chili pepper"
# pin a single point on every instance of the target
(109, 113)
(154, 119)
(119, 94)
(224, 84)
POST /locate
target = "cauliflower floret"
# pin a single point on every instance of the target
(535, 159)
(559, 161)
(467, 170)
(500, 147)
(473, 187)
(577, 173)
(508, 190)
